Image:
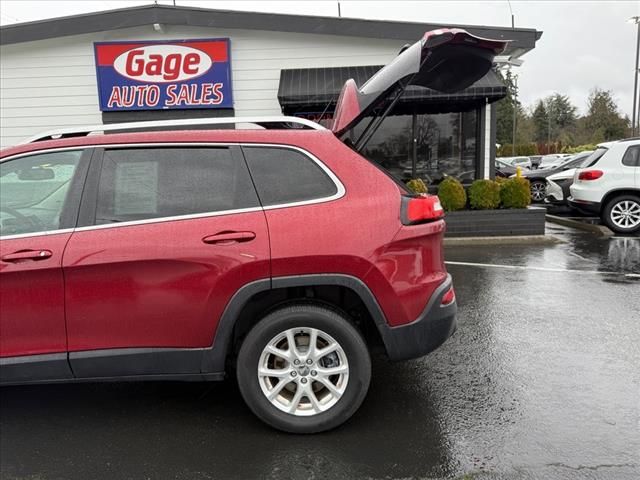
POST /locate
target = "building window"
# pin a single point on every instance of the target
(426, 146)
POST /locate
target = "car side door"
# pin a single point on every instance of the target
(167, 235)
(39, 200)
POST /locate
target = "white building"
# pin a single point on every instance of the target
(278, 63)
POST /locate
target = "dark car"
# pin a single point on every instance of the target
(537, 178)
(504, 169)
(188, 255)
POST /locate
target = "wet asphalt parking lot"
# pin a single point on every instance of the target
(541, 380)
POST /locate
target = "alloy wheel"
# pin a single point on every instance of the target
(625, 214)
(303, 371)
(538, 191)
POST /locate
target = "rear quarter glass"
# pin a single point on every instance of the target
(285, 175)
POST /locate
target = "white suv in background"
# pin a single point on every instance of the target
(611, 187)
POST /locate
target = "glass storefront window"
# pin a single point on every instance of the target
(424, 146)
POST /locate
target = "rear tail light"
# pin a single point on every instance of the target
(590, 174)
(448, 297)
(420, 208)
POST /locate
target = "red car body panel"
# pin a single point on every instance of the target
(158, 284)
(32, 317)
(361, 235)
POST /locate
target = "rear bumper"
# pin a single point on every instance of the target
(554, 193)
(584, 206)
(431, 329)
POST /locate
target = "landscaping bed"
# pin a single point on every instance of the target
(487, 208)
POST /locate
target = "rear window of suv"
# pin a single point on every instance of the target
(592, 159)
(283, 175)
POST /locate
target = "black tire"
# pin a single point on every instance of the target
(538, 190)
(606, 215)
(304, 315)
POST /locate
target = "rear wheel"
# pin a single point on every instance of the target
(304, 369)
(622, 214)
(538, 190)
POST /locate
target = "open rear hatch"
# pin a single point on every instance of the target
(445, 60)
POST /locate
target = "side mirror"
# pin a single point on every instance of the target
(37, 174)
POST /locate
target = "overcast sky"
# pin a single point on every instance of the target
(584, 44)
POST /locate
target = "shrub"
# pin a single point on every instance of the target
(417, 185)
(515, 193)
(452, 195)
(579, 148)
(484, 195)
(500, 180)
(522, 149)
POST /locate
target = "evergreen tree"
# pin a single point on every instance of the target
(504, 110)
(603, 119)
(540, 122)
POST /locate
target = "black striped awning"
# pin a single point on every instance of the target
(305, 90)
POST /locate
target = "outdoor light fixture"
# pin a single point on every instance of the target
(634, 127)
(507, 60)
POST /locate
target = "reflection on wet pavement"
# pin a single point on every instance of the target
(540, 381)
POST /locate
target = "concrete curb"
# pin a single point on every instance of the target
(587, 227)
(508, 240)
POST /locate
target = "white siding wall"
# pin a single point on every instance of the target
(52, 83)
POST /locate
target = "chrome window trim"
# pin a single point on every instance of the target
(340, 189)
(37, 234)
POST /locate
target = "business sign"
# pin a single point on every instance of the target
(171, 74)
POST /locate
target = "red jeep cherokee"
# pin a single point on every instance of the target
(279, 253)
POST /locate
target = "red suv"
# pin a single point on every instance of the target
(278, 253)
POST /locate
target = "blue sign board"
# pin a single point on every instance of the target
(162, 75)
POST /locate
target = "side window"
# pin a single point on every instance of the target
(631, 157)
(145, 183)
(282, 175)
(33, 191)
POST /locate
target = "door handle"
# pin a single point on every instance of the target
(227, 238)
(27, 255)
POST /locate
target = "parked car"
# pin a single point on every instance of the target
(522, 162)
(504, 169)
(535, 161)
(611, 189)
(187, 255)
(551, 160)
(537, 178)
(558, 183)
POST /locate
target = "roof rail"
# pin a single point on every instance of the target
(266, 122)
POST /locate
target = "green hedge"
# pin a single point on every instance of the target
(522, 149)
(484, 195)
(417, 185)
(515, 193)
(452, 195)
(579, 148)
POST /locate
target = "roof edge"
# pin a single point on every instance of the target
(522, 38)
